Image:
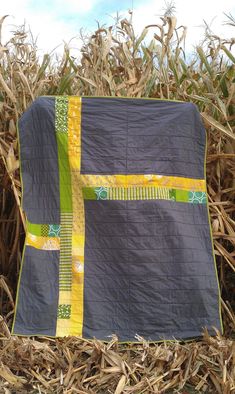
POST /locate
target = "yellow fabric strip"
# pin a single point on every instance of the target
(45, 243)
(143, 180)
(73, 324)
(78, 240)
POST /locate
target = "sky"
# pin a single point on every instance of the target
(53, 22)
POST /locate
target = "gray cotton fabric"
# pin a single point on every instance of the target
(39, 162)
(123, 136)
(38, 293)
(149, 267)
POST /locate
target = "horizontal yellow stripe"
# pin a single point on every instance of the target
(45, 243)
(142, 180)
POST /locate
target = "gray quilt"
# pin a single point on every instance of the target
(118, 235)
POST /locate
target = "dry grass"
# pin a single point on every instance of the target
(72, 365)
(115, 62)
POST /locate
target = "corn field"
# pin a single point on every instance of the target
(115, 61)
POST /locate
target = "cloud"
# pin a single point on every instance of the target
(46, 23)
(189, 14)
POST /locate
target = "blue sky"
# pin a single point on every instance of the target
(83, 13)
(56, 21)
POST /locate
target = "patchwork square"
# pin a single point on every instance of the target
(64, 311)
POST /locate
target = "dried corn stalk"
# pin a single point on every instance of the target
(115, 61)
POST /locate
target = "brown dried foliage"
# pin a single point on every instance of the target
(116, 62)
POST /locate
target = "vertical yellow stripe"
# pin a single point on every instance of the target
(78, 241)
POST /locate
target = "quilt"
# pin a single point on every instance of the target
(118, 236)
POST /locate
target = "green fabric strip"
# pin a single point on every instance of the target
(66, 208)
(43, 230)
(65, 188)
(143, 193)
(89, 193)
(181, 195)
